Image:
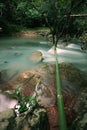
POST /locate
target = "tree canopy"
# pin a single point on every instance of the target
(58, 15)
(55, 14)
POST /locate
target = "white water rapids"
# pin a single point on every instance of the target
(72, 53)
(15, 53)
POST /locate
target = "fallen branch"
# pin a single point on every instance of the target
(76, 15)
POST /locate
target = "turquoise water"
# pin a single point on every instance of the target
(71, 53)
(15, 54)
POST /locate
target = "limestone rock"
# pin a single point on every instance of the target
(9, 114)
(36, 56)
(4, 125)
(44, 78)
(7, 119)
(6, 102)
(33, 120)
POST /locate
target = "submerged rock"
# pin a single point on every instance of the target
(5, 61)
(18, 54)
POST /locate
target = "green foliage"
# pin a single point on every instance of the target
(18, 13)
(23, 101)
(16, 93)
(83, 38)
(1, 5)
(54, 12)
(36, 13)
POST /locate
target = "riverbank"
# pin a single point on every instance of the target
(32, 33)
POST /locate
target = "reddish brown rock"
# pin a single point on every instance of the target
(43, 81)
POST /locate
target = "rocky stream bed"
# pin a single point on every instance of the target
(74, 89)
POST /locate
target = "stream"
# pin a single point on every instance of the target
(15, 54)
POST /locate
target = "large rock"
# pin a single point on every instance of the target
(43, 81)
(45, 75)
(80, 122)
(36, 56)
(30, 120)
(5, 76)
(7, 119)
(6, 102)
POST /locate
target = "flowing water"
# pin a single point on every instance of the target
(72, 53)
(15, 54)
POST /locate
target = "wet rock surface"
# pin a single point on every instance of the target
(43, 81)
(6, 119)
(37, 119)
(80, 122)
(36, 56)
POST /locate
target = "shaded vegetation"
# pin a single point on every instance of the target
(16, 15)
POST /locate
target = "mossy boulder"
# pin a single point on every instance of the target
(30, 120)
